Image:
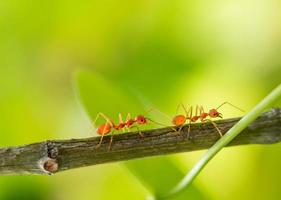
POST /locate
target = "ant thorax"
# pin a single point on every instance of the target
(203, 115)
(194, 118)
(129, 122)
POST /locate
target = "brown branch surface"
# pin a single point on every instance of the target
(59, 155)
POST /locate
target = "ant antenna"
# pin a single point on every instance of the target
(159, 123)
(230, 105)
(154, 109)
(155, 122)
(104, 117)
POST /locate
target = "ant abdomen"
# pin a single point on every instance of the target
(179, 120)
(104, 129)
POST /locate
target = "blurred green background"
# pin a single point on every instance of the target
(156, 53)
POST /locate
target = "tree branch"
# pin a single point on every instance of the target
(59, 155)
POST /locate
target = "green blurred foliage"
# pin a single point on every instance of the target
(160, 175)
(162, 53)
(149, 171)
(26, 188)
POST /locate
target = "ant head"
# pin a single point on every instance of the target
(140, 119)
(179, 120)
(213, 113)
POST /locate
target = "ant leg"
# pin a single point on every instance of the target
(139, 131)
(107, 122)
(186, 114)
(110, 142)
(215, 125)
(104, 117)
(197, 109)
(180, 128)
(128, 116)
(111, 138)
(183, 107)
(188, 130)
(120, 118)
(188, 117)
(201, 110)
(189, 124)
(230, 105)
(98, 145)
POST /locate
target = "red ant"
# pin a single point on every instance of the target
(180, 120)
(106, 128)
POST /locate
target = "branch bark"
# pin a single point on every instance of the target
(58, 155)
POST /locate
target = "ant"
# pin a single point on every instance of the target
(106, 128)
(180, 120)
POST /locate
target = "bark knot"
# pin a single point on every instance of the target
(51, 165)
